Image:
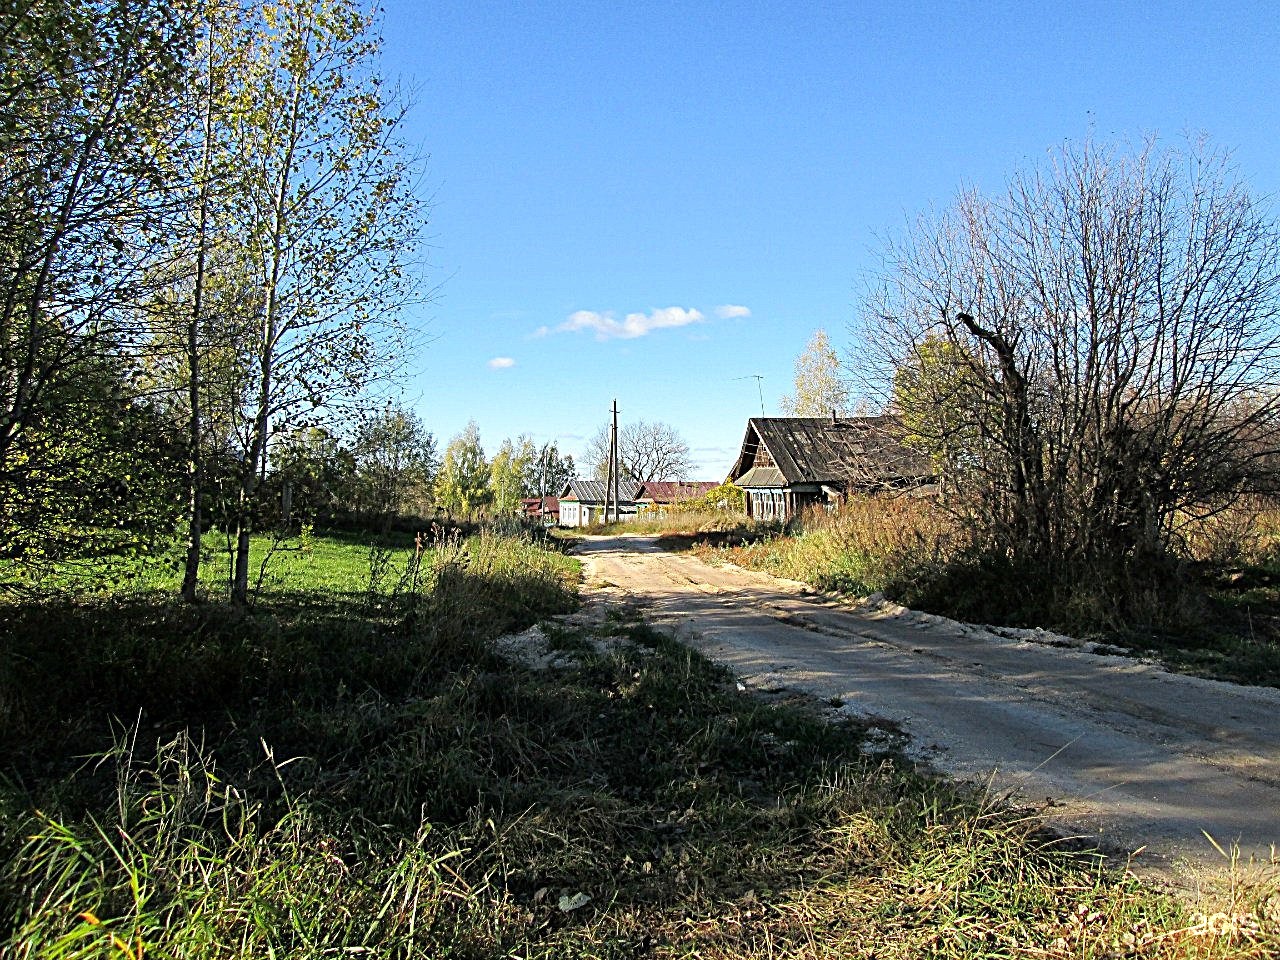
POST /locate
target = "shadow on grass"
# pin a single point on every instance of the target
(77, 669)
(642, 780)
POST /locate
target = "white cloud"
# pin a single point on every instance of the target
(732, 311)
(501, 363)
(607, 326)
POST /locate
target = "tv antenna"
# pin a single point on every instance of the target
(759, 379)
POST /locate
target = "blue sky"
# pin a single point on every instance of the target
(658, 201)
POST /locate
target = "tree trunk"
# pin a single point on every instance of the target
(195, 460)
(1030, 515)
(240, 578)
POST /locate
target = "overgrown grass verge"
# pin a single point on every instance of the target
(871, 545)
(377, 782)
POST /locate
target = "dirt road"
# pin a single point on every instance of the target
(1131, 755)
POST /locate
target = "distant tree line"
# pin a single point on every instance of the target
(389, 469)
(469, 484)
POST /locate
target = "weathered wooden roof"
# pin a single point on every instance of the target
(762, 477)
(845, 452)
(538, 506)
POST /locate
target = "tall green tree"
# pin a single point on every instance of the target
(323, 218)
(206, 167)
(183, 328)
(462, 486)
(396, 462)
(511, 474)
(552, 471)
(88, 94)
(936, 390)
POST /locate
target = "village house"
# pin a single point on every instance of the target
(582, 502)
(659, 496)
(789, 463)
(543, 510)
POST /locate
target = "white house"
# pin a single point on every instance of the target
(582, 502)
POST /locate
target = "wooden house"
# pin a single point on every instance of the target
(543, 510)
(789, 463)
(582, 502)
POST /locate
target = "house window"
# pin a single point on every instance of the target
(768, 504)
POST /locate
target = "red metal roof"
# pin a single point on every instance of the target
(670, 491)
(540, 506)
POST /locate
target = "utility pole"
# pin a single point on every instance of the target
(608, 476)
(613, 467)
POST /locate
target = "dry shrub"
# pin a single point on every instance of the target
(903, 528)
(705, 520)
(1246, 532)
(694, 518)
(871, 543)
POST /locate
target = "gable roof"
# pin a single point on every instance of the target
(669, 491)
(851, 451)
(596, 491)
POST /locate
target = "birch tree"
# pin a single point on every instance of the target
(323, 210)
(511, 474)
(820, 389)
(182, 329)
(462, 485)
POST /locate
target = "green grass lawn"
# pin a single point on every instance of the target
(345, 771)
(315, 562)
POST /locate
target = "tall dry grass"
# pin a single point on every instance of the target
(1243, 533)
(869, 545)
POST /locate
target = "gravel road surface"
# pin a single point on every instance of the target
(1128, 754)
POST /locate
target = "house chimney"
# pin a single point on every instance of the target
(833, 414)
